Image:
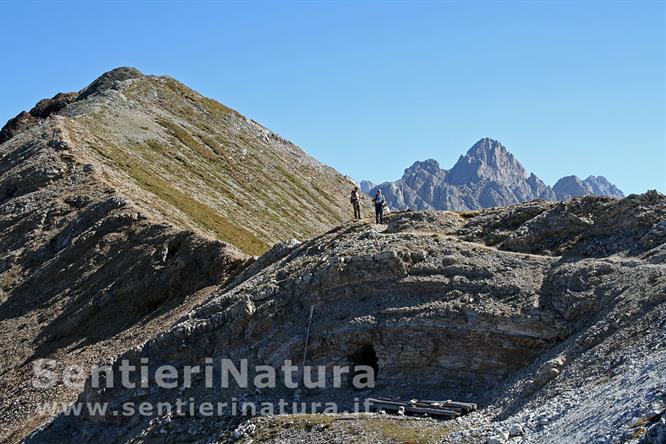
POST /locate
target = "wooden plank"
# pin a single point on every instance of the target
(395, 406)
(466, 406)
(421, 410)
(469, 406)
(445, 407)
(386, 401)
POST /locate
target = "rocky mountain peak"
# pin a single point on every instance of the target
(487, 159)
(46, 107)
(487, 148)
(429, 166)
(152, 140)
(571, 186)
(601, 186)
(424, 174)
(106, 80)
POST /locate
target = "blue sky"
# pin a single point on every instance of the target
(370, 87)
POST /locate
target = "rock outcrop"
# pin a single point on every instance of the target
(483, 308)
(85, 272)
(122, 207)
(40, 111)
(487, 176)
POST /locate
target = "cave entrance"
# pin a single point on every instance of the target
(367, 356)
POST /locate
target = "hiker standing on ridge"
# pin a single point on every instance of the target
(379, 202)
(356, 202)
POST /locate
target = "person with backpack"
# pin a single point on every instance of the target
(356, 202)
(379, 202)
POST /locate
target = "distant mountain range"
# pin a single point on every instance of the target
(487, 176)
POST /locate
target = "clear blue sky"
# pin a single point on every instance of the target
(370, 87)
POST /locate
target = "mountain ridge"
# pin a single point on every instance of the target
(487, 176)
(122, 207)
(121, 230)
(153, 137)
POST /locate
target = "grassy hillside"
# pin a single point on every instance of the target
(196, 163)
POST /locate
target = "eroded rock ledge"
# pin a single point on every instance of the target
(443, 306)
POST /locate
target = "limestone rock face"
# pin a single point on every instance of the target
(487, 176)
(122, 207)
(443, 306)
(85, 272)
(487, 160)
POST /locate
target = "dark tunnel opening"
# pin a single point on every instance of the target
(366, 356)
